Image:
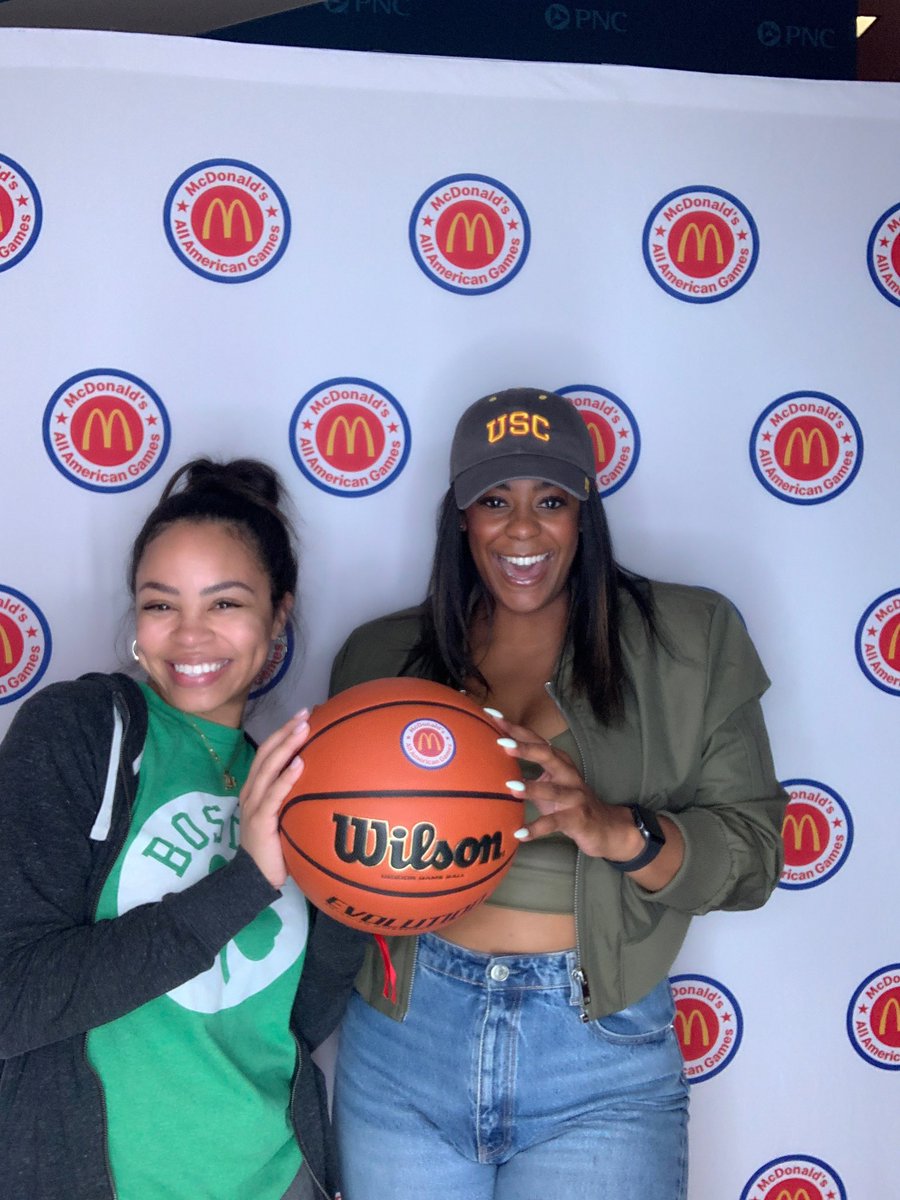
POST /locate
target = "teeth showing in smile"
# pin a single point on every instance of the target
(198, 668)
(524, 560)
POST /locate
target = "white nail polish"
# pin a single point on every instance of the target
(492, 712)
(508, 743)
(515, 785)
(521, 834)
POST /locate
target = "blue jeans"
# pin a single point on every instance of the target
(493, 1088)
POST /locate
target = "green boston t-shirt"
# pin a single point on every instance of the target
(197, 1082)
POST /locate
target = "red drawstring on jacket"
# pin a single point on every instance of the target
(390, 975)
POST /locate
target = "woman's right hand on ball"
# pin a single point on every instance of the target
(276, 768)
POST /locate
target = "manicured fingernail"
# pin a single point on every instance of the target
(302, 714)
(508, 742)
(295, 762)
(515, 785)
(492, 712)
(521, 834)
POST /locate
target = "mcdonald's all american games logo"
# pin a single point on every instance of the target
(878, 642)
(873, 1019)
(107, 431)
(883, 254)
(281, 652)
(709, 1025)
(469, 234)
(700, 244)
(349, 437)
(227, 220)
(25, 644)
(806, 448)
(817, 833)
(20, 213)
(795, 1177)
(614, 433)
(427, 743)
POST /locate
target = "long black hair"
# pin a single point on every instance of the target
(596, 583)
(245, 494)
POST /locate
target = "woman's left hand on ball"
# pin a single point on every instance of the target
(276, 768)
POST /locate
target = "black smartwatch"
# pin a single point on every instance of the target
(654, 839)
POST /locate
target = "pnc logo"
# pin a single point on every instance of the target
(883, 254)
(106, 430)
(873, 1018)
(21, 213)
(614, 433)
(794, 1177)
(806, 447)
(227, 220)
(878, 642)
(349, 436)
(700, 244)
(817, 833)
(428, 744)
(25, 644)
(469, 234)
(709, 1025)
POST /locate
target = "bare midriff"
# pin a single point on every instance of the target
(492, 930)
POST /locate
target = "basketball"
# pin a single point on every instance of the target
(401, 821)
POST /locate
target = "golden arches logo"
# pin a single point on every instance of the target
(479, 221)
(893, 1005)
(106, 424)
(7, 647)
(597, 439)
(428, 741)
(892, 648)
(799, 826)
(227, 215)
(687, 1026)
(349, 428)
(709, 230)
(800, 1194)
(806, 440)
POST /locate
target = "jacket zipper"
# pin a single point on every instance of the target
(313, 1176)
(129, 795)
(579, 974)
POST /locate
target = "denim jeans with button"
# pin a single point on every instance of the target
(493, 1088)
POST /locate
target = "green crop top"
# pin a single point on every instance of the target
(542, 876)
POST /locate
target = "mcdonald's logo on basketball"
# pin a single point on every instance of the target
(106, 431)
(21, 213)
(349, 436)
(794, 1177)
(806, 447)
(873, 1018)
(428, 744)
(700, 244)
(817, 833)
(883, 254)
(469, 234)
(878, 642)
(709, 1025)
(227, 220)
(25, 644)
(614, 433)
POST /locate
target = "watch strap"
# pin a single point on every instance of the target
(654, 840)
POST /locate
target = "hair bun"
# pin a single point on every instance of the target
(248, 477)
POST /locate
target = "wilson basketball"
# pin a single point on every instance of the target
(401, 821)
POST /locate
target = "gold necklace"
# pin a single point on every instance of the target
(227, 776)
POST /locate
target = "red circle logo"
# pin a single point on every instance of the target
(20, 213)
(227, 220)
(817, 832)
(878, 643)
(107, 431)
(873, 1018)
(614, 434)
(428, 743)
(806, 448)
(709, 1025)
(795, 1177)
(25, 644)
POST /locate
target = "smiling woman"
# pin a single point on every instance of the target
(544, 1014)
(161, 979)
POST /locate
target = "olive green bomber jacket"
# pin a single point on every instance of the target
(692, 744)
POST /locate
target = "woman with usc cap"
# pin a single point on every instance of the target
(530, 1051)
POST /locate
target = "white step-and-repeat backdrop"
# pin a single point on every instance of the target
(320, 258)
